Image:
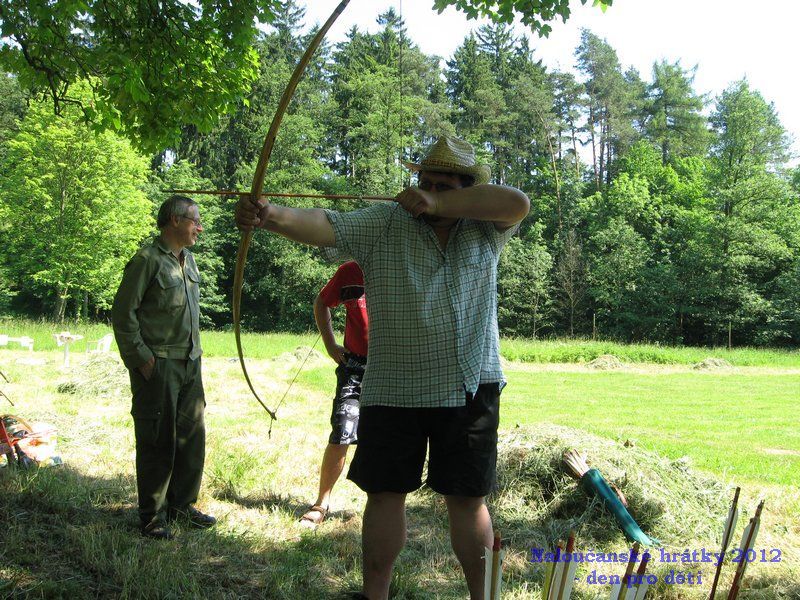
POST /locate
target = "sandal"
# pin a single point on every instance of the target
(310, 519)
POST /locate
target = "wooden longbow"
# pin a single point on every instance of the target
(258, 184)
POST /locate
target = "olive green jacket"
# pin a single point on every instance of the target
(156, 311)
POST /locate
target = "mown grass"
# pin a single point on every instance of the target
(584, 351)
(744, 426)
(266, 345)
(70, 531)
(215, 343)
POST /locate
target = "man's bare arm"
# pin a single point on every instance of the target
(502, 205)
(323, 318)
(307, 226)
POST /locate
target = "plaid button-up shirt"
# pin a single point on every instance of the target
(432, 313)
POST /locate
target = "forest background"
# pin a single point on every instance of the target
(657, 214)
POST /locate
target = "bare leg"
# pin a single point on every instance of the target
(332, 466)
(470, 532)
(333, 460)
(383, 535)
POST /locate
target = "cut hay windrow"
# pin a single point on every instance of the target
(669, 499)
(100, 375)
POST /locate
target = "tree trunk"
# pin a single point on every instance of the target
(594, 150)
(553, 164)
(577, 161)
(571, 319)
(60, 306)
(602, 161)
(608, 156)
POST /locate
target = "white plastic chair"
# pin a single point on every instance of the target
(24, 341)
(100, 346)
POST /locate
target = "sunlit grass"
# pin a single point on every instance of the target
(584, 351)
(71, 531)
(267, 345)
(744, 426)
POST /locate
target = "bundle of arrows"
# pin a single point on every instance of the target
(594, 484)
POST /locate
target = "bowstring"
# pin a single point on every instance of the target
(291, 383)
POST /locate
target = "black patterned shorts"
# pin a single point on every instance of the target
(346, 403)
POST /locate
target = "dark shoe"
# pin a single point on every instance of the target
(192, 517)
(156, 530)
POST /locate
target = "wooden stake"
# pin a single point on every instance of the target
(641, 586)
(555, 580)
(730, 336)
(494, 579)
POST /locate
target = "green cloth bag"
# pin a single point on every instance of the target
(593, 484)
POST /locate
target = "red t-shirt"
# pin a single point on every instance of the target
(347, 287)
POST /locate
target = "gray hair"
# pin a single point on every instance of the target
(174, 206)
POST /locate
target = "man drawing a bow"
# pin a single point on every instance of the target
(433, 375)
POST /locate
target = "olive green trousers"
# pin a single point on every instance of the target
(168, 416)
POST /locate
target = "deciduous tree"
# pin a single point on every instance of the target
(72, 209)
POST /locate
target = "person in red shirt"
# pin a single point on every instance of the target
(345, 287)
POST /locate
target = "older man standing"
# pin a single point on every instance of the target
(433, 373)
(156, 323)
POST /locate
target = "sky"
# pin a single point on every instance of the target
(726, 39)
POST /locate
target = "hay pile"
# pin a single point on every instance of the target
(713, 364)
(540, 503)
(101, 375)
(301, 352)
(300, 355)
(605, 362)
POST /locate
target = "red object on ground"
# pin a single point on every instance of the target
(7, 442)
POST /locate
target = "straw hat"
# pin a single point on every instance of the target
(452, 155)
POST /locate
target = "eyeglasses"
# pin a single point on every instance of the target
(197, 222)
(428, 186)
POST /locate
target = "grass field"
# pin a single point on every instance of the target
(739, 424)
(70, 531)
(266, 345)
(584, 351)
(744, 426)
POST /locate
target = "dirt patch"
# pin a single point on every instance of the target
(781, 452)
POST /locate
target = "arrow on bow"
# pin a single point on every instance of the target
(258, 184)
(283, 195)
